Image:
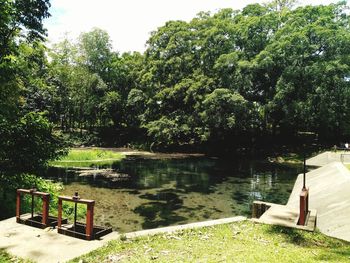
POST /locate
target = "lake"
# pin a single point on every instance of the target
(143, 193)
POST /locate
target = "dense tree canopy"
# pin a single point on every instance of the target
(220, 80)
(285, 68)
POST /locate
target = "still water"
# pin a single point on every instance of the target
(149, 193)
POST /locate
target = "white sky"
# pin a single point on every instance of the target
(129, 22)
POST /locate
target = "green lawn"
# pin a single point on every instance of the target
(88, 158)
(238, 242)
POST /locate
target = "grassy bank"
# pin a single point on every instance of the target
(238, 242)
(88, 158)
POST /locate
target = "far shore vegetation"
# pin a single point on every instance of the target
(88, 158)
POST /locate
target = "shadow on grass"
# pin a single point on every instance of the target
(335, 254)
(294, 236)
(329, 249)
(290, 235)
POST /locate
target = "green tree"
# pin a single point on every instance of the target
(17, 16)
(311, 54)
(289, 66)
(63, 58)
(226, 113)
(95, 52)
(113, 107)
(270, 69)
(27, 140)
(136, 106)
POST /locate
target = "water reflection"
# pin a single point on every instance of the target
(172, 191)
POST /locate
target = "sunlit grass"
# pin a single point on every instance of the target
(238, 242)
(88, 158)
(90, 154)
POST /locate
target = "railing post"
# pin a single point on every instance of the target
(18, 206)
(90, 220)
(303, 206)
(307, 201)
(302, 211)
(59, 220)
(46, 202)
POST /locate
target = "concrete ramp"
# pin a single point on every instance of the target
(329, 193)
(324, 159)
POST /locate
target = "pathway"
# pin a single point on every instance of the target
(328, 157)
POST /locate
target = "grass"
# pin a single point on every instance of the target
(238, 242)
(5, 257)
(88, 158)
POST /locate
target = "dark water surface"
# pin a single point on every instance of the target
(160, 192)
